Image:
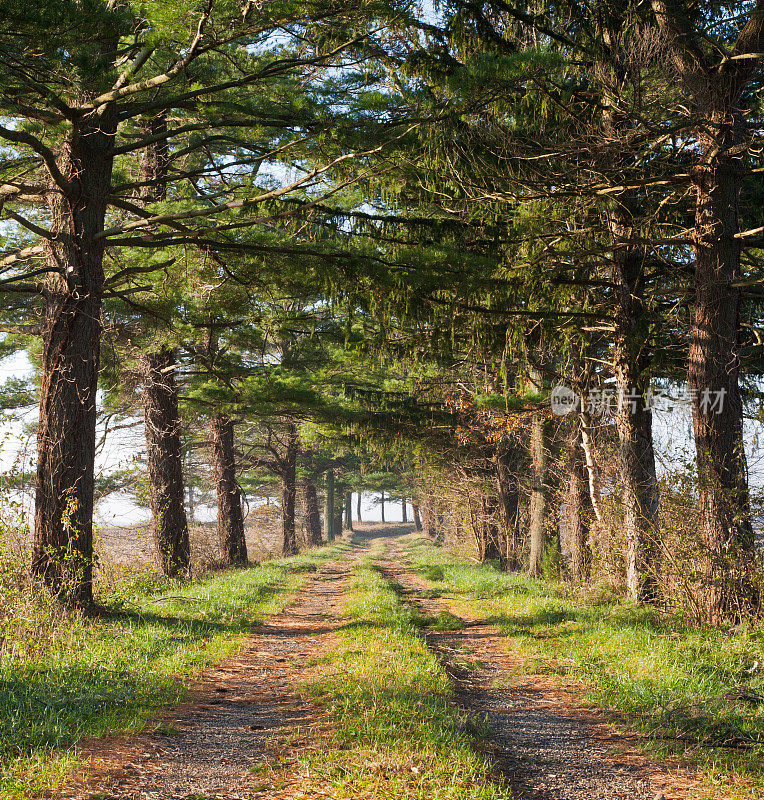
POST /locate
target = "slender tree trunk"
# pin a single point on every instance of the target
(349, 511)
(312, 515)
(489, 548)
(289, 492)
(382, 504)
(329, 507)
(191, 510)
(358, 507)
(417, 516)
(71, 342)
(339, 504)
(404, 512)
(539, 500)
(507, 467)
(637, 457)
(164, 463)
(233, 545)
(578, 509)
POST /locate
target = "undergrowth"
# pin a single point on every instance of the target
(690, 689)
(399, 733)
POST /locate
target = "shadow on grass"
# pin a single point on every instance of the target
(119, 676)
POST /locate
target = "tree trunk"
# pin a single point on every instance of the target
(539, 500)
(417, 517)
(358, 507)
(289, 493)
(430, 526)
(348, 511)
(637, 466)
(312, 515)
(382, 504)
(329, 506)
(71, 342)
(507, 468)
(164, 463)
(233, 545)
(489, 548)
(404, 513)
(717, 90)
(578, 510)
(713, 374)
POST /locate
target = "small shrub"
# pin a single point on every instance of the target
(434, 573)
(447, 621)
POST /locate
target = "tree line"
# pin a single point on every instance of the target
(372, 238)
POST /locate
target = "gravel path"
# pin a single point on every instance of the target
(549, 745)
(245, 722)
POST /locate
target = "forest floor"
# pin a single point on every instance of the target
(393, 674)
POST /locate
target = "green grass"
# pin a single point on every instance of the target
(93, 677)
(686, 687)
(399, 734)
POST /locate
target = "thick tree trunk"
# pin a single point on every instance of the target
(289, 493)
(329, 507)
(713, 373)
(233, 545)
(312, 515)
(358, 507)
(71, 341)
(417, 516)
(164, 463)
(348, 511)
(717, 91)
(404, 512)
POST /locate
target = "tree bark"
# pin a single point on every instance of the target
(71, 341)
(713, 373)
(382, 504)
(230, 523)
(489, 548)
(430, 525)
(312, 515)
(329, 506)
(507, 468)
(348, 511)
(578, 510)
(539, 500)
(417, 517)
(358, 507)
(404, 512)
(716, 89)
(164, 463)
(631, 362)
(289, 493)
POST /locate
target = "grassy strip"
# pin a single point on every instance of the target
(96, 677)
(691, 689)
(399, 733)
